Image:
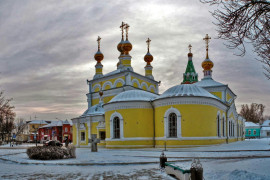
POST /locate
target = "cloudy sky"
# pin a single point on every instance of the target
(47, 49)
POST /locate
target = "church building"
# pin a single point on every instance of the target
(125, 109)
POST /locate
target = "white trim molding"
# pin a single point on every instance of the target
(152, 87)
(117, 81)
(117, 114)
(127, 105)
(166, 122)
(107, 83)
(96, 86)
(137, 82)
(175, 100)
(144, 84)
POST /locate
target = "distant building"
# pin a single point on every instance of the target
(56, 130)
(252, 130)
(33, 127)
(265, 129)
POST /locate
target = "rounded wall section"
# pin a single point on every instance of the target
(196, 121)
(135, 122)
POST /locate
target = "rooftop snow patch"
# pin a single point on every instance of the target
(251, 124)
(187, 90)
(134, 95)
(208, 82)
(94, 110)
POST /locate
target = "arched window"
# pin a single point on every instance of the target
(172, 125)
(116, 127)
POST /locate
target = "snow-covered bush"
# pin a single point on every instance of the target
(51, 152)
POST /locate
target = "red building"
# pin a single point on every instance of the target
(56, 130)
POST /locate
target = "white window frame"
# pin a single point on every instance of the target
(166, 122)
(117, 114)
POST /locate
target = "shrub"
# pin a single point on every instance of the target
(51, 152)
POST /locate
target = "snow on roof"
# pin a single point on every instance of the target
(94, 110)
(38, 122)
(266, 128)
(266, 123)
(66, 122)
(251, 124)
(187, 90)
(207, 82)
(53, 124)
(134, 95)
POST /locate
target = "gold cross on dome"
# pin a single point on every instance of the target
(148, 44)
(207, 40)
(122, 29)
(98, 40)
(189, 47)
(126, 28)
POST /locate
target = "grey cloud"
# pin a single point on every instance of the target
(47, 50)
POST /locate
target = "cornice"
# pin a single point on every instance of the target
(127, 105)
(175, 100)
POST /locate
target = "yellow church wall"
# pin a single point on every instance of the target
(99, 71)
(129, 144)
(105, 100)
(232, 140)
(196, 120)
(119, 84)
(111, 80)
(148, 71)
(126, 62)
(140, 81)
(231, 116)
(94, 127)
(107, 87)
(95, 101)
(228, 97)
(137, 122)
(74, 134)
(218, 94)
(135, 84)
(179, 143)
(86, 135)
(97, 89)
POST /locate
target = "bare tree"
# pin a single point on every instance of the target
(245, 21)
(20, 126)
(254, 113)
(7, 116)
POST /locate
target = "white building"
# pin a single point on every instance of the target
(265, 129)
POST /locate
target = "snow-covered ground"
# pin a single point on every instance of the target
(247, 160)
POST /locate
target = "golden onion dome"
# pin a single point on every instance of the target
(99, 56)
(207, 64)
(119, 46)
(148, 58)
(127, 46)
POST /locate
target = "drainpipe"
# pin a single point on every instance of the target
(154, 125)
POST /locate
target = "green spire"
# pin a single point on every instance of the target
(190, 76)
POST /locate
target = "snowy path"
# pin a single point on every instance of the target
(248, 160)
